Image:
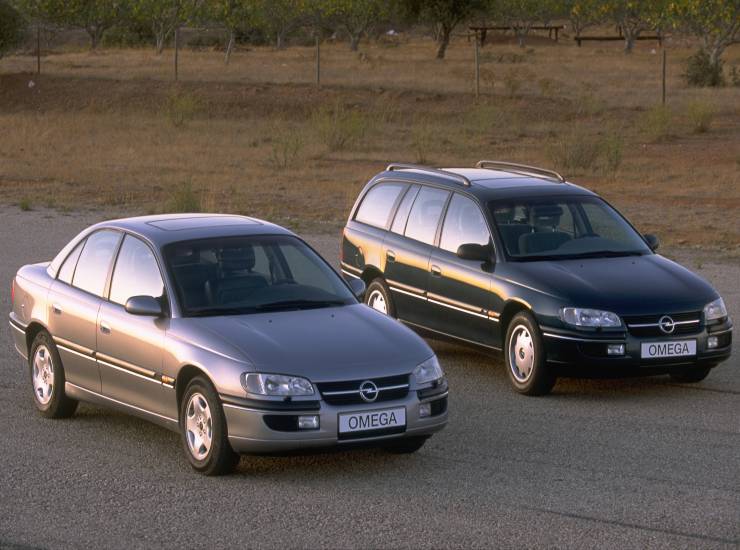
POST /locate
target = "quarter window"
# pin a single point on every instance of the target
(377, 205)
(425, 214)
(68, 267)
(464, 224)
(402, 214)
(95, 259)
(136, 272)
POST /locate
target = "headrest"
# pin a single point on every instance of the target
(237, 259)
(546, 211)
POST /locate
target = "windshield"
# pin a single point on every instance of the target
(237, 275)
(564, 227)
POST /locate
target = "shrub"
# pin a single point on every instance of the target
(338, 127)
(180, 107)
(286, 146)
(613, 148)
(575, 151)
(421, 140)
(657, 123)
(483, 119)
(184, 198)
(12, 27)
(512, 83)
(701, 115)
(700, 71)
(25, 204)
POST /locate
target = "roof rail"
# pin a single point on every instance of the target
(444, 173)
(521, 169)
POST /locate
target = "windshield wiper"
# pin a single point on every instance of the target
(582, 255)
(299, 304)
(208, 311)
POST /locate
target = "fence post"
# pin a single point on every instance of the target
(38, 48)
(318, 62)
(177, 48)
(664, 63)
(477, 67)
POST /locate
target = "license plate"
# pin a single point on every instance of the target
(372, 420)
(674, 348)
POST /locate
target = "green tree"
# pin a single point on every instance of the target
(235, 16)
(583, 14)
(279, 18)
(163, 16)
(715, 22)
(445, 15)
(93, 16)
(521, 15)
(12, 27)
(633, 17)
(358, 17)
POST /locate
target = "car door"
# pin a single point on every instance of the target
(460, 290)
(408, 249)
(74, 301)
(130, 347)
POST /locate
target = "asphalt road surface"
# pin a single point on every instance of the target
(600, 463)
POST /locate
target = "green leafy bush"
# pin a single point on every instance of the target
(12, 27)
(657, 123)
(181, 107)
(701, 115)
(184, 198)
(338, 127)
(700, 71)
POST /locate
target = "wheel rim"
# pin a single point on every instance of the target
(198, 426)
(376, 300)
(521, 353)
(43, 375)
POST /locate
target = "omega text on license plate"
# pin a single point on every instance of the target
(372, 420)
(678, 348)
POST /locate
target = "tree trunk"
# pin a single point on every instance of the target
(94, 34)
(354, 41)
(629, 43)
(229, 46)
(280, 39)
(443, 41)
(160, 36)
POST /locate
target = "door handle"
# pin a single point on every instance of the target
(390, 255)
(104, 327)
(436, 271)
(56, 308)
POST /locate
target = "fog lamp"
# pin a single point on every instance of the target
(615, 349)
(308, 422)
(425, 410)
(712, 342)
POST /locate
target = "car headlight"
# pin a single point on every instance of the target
(590, 318)
(428, 371)
(715, 310)
(276, 384)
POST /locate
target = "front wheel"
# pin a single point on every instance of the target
(525, 357)
(203, 430)
(691, 376)
(47, 379)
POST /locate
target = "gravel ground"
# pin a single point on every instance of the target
(610, 463)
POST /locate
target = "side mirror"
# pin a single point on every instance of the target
(358, 287)
(476, 252)
(144, 305)
(652, 241)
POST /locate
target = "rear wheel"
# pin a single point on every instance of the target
(47, 379)
(378, 296)
(407, 445)
(525, 357)
(691, 376)
(203, 430)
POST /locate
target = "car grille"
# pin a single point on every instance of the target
(648, 325)
(348, 392)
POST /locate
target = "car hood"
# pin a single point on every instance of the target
(326, 344)
(631, 285)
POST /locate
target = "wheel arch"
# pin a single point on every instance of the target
(184, 376)
(32, 330)
(511, 308)
(370, 273)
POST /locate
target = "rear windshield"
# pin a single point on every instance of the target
(564, 227)
(239, 275)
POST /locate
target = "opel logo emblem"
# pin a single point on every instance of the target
(666, 324)
(368, 391)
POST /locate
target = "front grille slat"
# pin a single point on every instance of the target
(647, 325)
(346, 392)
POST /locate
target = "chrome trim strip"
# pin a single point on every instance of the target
(450, 335)
(407, 288)
(101, 396)
(456, 308)
(71, 345)
(647, 325)
(127, 371)
(408, 293)
(589, 340)
(112, 361)
(348, 267)
(435, 397)
(720, 332)
(70, 350)
(345, 272)
(349, 392)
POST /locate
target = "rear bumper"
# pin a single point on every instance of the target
(249, 432)
(18, 332)
(570, 352)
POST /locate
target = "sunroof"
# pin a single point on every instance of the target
(198, 222)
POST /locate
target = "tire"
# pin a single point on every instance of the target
(47, 379)
(203, 430)
(524, 355)
(690, 376)
(406, 446)
(378, 297)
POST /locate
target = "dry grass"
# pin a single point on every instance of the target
(109, 129)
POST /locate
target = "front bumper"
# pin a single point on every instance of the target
(249, 432)
(579, 353)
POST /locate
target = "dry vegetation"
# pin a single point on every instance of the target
(110, 130)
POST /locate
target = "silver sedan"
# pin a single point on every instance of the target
(231, 331)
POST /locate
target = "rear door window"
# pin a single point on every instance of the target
(425, 214)
(95, 261)
(378, 204)
(402, 214)
(136, 272)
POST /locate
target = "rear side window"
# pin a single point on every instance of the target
(425, 214)
(136, 272)
(464, 224)
(399, 223)
(95, 260)
(377, 205)
(68, 267)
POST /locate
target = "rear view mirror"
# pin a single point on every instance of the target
(358, 288)
(652, 241)
(475, 252)
(144, 305)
